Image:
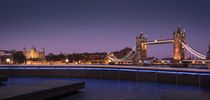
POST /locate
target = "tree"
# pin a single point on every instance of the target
(19, 57)
(50, 57)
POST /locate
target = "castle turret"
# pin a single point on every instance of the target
(43, 53)
(43, 50)
(24, 50)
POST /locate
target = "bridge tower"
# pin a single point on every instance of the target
(178, 51)
(141, 49)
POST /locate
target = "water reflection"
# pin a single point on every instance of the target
(97, 89)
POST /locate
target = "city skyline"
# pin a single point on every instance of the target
(101, 26)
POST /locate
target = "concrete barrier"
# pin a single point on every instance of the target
(3, 79)
(146, 76)
(166, 77)
(127, 75)
(75, 73)
(93, 74)
(188, 79)
(30, 72)
(39, 91)
(4, 72)
(61, 73)
(18, 72)
(45, 73)
(110, 74)
(204, 80)
(179, 78)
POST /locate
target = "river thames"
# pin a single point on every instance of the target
(100, 89)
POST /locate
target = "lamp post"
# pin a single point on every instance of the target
(140, 62)
(193, 62)
(203, 63)
(162, 63)
(67, 61)
(8, 61)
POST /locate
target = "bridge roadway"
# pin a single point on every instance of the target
(179, 76)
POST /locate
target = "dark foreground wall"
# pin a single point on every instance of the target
(179, 78)
(43, 90)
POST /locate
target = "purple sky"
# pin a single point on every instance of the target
(101, 25)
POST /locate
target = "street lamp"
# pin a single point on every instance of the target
(67, 61)
(155, 41)
(203, 62)
(193, 62)
(162, 63)
(140, 62)
(8, 60)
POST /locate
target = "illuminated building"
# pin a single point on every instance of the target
(34, 54)
(6, 57)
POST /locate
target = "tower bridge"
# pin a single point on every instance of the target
(180, 48)
(177, 40)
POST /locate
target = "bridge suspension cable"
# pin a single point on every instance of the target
(115, 59)
(192, 51)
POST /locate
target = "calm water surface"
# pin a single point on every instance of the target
(97, 89)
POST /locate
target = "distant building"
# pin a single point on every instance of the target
(6, 57)
(33, 54)
(208, 53)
